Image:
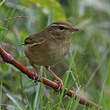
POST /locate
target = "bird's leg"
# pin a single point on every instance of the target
(60, 83)
(37, 69)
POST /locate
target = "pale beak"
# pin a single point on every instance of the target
(74, 29)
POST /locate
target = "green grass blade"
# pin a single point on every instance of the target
(14, 101)
(0, 96)
(36, 101)
(50, 18)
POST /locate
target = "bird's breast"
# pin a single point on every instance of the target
(48, 53)
(59, 48)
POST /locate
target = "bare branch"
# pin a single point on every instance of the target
(13, 18)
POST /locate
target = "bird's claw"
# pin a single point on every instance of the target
(60, 85)
(37, 77)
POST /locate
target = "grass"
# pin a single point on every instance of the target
(88, 59)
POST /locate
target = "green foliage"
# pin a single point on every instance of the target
(89, 61)
(45, 5)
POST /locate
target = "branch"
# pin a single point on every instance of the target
(32, 75)
(13, 18)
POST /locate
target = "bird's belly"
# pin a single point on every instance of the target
(46, 56)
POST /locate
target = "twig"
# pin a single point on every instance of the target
(13, 18)
(95, 71)
(31, 74)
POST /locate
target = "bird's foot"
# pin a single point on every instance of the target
(60, 84)
(37, 77)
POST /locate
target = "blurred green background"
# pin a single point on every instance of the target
(89, 56)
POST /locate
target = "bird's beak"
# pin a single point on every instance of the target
(74, 29)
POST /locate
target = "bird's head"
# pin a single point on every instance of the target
(61, 29)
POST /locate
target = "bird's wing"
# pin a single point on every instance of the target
(35, 39)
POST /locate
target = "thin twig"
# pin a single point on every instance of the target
(95, 71)
(13, 18)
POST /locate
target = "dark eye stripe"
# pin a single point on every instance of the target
(61, 27)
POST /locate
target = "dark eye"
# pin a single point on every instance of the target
(61, 27)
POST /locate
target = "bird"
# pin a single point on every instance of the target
(48, 47)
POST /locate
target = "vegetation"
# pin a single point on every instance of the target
(89, 57)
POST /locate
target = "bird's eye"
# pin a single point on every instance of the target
(61, 27)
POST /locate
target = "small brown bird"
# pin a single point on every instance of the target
(49, 46)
